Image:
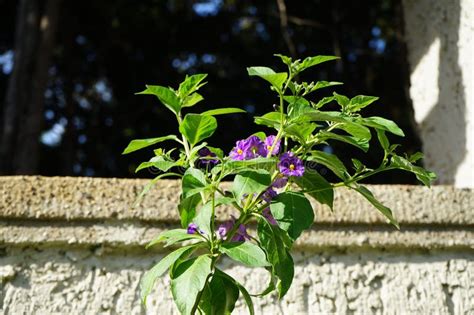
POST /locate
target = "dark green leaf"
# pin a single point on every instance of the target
(316, 186)
(223, 111)
(138, 144)
(166, 96)
(381, 123)
(245, 294)
(187, 209)
(301, 131)
(149, 278)
(250, 182)
(196, 127)
(293, 212)
(272, 241)
(247, 253)
(330, 161)
(371, 198)
(424, 176)
(219, 296)
(189, 279)
(360, 101)
(362, 144)
(356, 130)
(275, 79)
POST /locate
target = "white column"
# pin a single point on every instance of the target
(440, 42)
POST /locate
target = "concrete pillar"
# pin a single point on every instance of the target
(440, 42)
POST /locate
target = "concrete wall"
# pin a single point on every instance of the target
(440, 42)
(73, 245)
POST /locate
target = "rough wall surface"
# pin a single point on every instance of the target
(440, 42)
(84, 255)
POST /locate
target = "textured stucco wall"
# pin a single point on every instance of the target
(74, 246)
(440, 42)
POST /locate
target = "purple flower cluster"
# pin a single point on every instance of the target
(290, 165)
(253, 147)
(239, 236)
(192, 228)
(207, 157)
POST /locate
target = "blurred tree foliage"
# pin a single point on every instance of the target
(106, 51)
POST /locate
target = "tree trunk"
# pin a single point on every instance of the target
(34, 41)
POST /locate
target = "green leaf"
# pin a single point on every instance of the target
(187, 209)
(233, 167)
(149, 185)
(381, 123)
(191, 84)
(293, 212)
(316, 186)
(192, 100)
(371, 198)
(223, 111)
(271, 119)
(301, 131)
(342, 100)
(272, 241)
(170, 237)
(138, 144)
(148, 280)
(166, 96)
(362, 144)
(194, 181)
(313, 61)
(324, 84)
(356, 130)
(196, 127)
(330, 161)
(285, 59)
(203, 218)
(219, 296)
(323, 101)
(360, 101)
(158, 162)
(383, 140)
(250, 182)
(424, 176)
(189, 279)
(247, 253)
(245, 294)
(275, 79)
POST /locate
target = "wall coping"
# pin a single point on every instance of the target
(50, 211)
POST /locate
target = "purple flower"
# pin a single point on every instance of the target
(290, 165)
(207, 155)
(269, 142)
(192, 228)
(269, 194)
(247, 149)
(280, 181)
(239, 236)
(268, 215)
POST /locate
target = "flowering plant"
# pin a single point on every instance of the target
(272, 178)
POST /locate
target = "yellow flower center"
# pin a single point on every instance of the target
(269, 147)
(240, 151)
(292, 167)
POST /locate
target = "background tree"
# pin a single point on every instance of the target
(106, 51)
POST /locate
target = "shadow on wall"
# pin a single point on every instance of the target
(432, 24)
